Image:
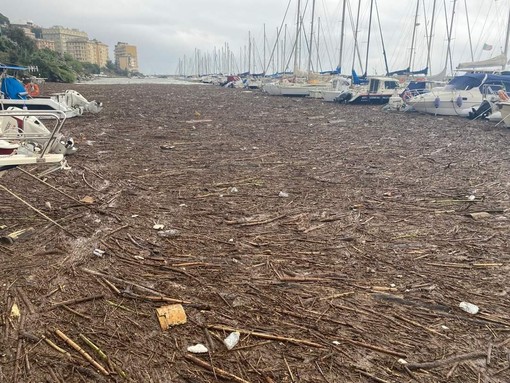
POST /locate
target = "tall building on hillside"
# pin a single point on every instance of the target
(62, 36)
(77, 44)
(126, 57)
(42, 43)
(91, 51)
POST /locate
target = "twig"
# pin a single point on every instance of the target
(420, 326)
(37, 211)
(215, 370)
(76, 312)
(446, 361)
(18, 350)
(89, 185)
(320, 371)
(379, 380)
(76, 301)
(81, 351)
(50, 186)
(288, 369)
(25, 300)
(102, 355)
(119, 280)
(263, 222)
(375, 348)
(116, 230)
(266, 336)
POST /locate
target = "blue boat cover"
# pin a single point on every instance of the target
(476, 80)
(12, 88)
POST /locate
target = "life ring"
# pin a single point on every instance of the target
(32, 89)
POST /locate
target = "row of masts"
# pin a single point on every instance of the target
(260, 60)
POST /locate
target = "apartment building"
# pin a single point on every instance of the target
(126, 57)
(77, 44)
(91, 51)
(62, 36)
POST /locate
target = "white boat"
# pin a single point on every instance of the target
(24, 139)
(378, 90)
(69, 102)
(461, 95)
(339, 85)
(504, 109)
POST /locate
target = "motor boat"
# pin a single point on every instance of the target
(461, 95)
(24, 139)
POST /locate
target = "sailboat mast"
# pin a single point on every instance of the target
(429, 41)
(449, 32)
(310, 47)
(356, 48)
(342, 38)
(249, 52)
(414, 35)
(469, 32)
(296, 50)
(264, 64)
(318, 68)
(506, 40)
(382, 40)
(369, 29)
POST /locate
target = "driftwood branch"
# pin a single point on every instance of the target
(81, 351)
(215, 370)
(446, 361)
(267, 336)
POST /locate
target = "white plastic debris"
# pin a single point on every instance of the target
(402, 361)
(198, 348)
(232, 340)
(336, 343)
(158, 226)
(469, 307)
(283, 194)
(169, 233)
(99, 253)
(471, 197)
(233, 189)
(443, 327)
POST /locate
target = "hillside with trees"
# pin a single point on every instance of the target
(16, 48)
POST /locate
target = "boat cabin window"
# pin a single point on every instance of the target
(390, 85)
(374, 85)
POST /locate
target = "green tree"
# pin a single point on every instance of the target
(4, 20)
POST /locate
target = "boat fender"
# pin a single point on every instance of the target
(436, 102)
(503, 96)
(458, 101)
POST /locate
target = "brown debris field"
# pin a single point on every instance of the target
(337, 241)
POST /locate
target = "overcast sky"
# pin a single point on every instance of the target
(164, 31)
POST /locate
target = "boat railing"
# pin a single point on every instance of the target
(57, 116)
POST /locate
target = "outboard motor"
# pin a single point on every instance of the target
(483, 111)
(75, 100)
(343, 97)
